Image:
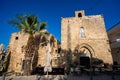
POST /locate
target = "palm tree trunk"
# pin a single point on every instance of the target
(29, 52)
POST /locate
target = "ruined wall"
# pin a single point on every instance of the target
(94, 36)
(16, 45)
(17, 48)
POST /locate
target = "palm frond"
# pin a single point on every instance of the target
(29, 23)
(14, 22)
(42, 25)
(23, 26)
(21, 18)
(34, 18)
(29, 20)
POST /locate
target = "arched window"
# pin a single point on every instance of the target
(82, 32)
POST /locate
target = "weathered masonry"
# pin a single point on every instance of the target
(84, 38)
(17, 48)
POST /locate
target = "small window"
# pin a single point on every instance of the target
(16, 38)
(79, 15)
(82, 32)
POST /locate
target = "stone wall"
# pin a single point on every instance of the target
(94, 38)
(17, 48)
(16, 45)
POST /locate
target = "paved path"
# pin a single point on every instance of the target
(53, 77)
(62, 77)
(95, 77)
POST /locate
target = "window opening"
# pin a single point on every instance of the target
(79, 15)
(16, 38)
(82, 32)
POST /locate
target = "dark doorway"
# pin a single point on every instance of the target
(85, 61)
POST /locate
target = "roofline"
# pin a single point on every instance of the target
(113, 26)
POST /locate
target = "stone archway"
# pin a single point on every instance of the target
(85, 53)
(86, 50)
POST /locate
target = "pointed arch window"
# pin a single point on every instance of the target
(82, 32)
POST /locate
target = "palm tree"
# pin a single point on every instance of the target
(29, 24)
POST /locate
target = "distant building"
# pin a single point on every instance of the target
(114, 36)
(84, 38)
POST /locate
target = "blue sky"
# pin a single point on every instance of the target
(51, 11)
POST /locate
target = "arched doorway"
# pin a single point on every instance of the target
(85, 53)
(85, 56)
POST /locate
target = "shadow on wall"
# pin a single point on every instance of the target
(74, 60)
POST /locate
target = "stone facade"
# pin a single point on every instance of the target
(85, 36)
(81, 36)
(17, 48)
(114, 36)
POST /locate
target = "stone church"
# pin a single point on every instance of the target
(84, 39)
